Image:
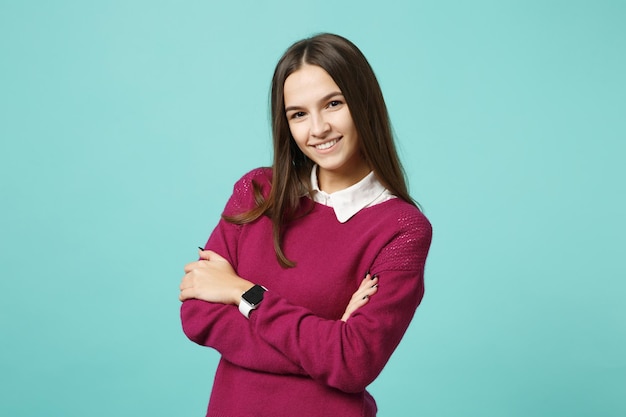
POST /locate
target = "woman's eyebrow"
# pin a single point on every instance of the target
(326, 97)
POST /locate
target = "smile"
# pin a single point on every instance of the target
(327, 145)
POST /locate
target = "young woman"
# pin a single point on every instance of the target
(326, 246)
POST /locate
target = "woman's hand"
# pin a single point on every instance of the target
(212, 279)
(368, 287)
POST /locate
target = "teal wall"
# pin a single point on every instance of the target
(123, 125)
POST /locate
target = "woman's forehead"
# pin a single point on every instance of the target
(309, 82)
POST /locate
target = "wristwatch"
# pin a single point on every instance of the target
(251, 299)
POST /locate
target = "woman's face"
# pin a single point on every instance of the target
(322, 126)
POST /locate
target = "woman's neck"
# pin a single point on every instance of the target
(332, 181)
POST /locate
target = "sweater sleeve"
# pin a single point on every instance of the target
(350, 355)
(210, 324)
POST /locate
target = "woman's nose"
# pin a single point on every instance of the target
(319, 126)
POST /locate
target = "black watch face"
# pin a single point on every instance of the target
(254, 295)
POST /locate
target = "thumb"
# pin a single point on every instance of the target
(209, 255)
(203, 253)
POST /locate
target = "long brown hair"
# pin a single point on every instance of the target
(349, 68)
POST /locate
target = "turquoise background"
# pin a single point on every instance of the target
(124, 124)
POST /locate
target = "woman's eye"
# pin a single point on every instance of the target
(297, 115)
(334, 103)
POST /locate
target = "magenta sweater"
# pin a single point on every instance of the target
(294, 356)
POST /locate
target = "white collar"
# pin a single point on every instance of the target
(349, 201)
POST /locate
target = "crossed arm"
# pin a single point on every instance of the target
(213, 279)
(283, 338)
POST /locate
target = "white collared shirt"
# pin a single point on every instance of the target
(349, 201)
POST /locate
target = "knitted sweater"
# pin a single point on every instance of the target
(294, 356)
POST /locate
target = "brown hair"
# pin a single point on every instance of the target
(349, 68)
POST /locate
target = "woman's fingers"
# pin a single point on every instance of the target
(212, 279)
(194, 265)
(367, 288)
